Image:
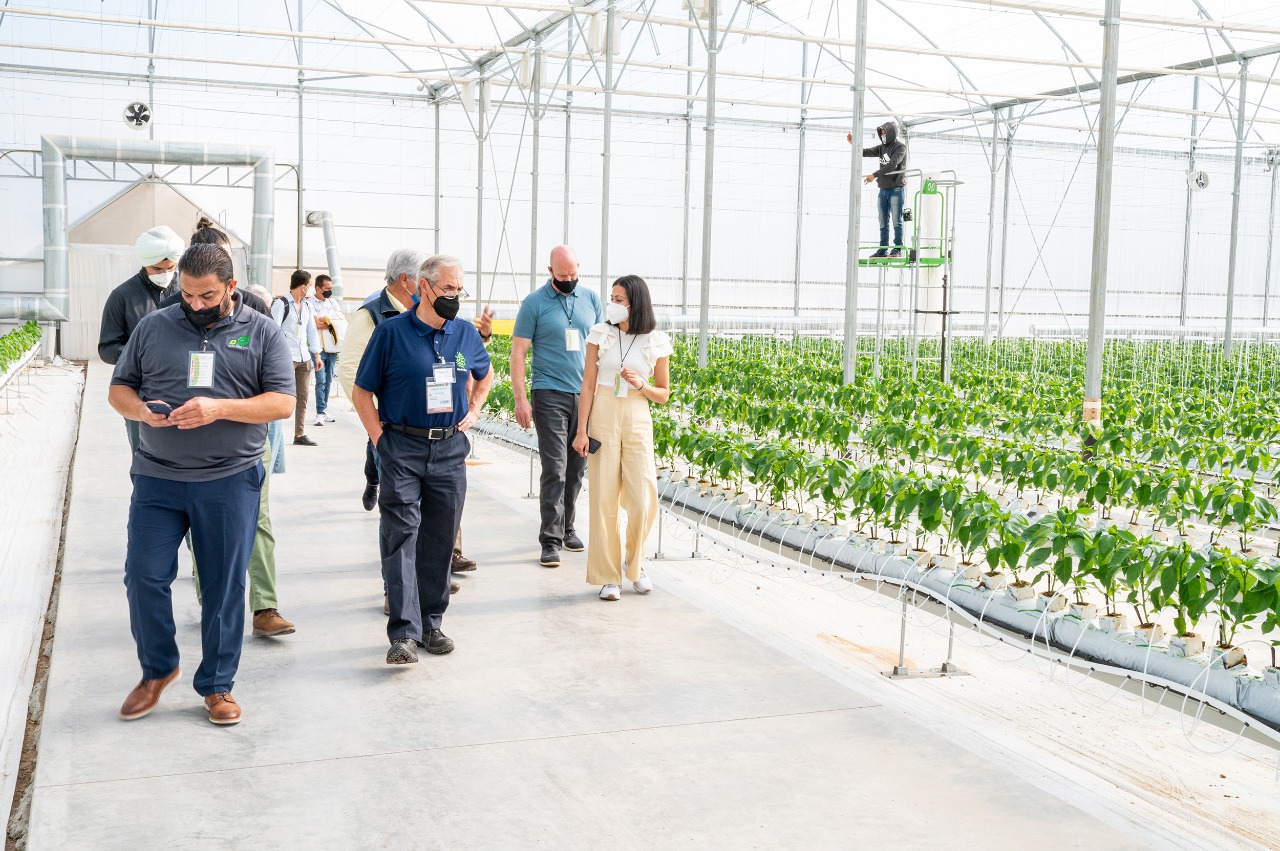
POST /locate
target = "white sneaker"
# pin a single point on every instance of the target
(644, 584)
(611, 592)
(329, 419)
(319, 421)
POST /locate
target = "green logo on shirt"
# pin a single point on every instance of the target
(238, 342)
(461, 360)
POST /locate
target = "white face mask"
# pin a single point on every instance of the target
(616, 314)
(164, 279)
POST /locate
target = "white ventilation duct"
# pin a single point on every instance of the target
(56, 150)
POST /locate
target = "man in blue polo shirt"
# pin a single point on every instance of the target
(204, 377)
(554, 322)
(416, 365)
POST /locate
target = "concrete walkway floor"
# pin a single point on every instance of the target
(560, 721)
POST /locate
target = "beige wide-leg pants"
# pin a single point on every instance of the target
(620, 474)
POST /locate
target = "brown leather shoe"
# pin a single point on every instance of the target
(462, 564)
(267, 623)
(454, 587)
(145, 696)
(222, 708)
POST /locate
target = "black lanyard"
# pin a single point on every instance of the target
(564, 305)
(435, 332)
(622, 364)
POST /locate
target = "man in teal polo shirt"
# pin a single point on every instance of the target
(417, 365)
(554, 322)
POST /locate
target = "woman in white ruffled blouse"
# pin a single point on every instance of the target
(623, 354)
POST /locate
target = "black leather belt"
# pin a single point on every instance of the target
(428, 433)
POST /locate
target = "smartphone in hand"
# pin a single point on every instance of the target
(162, 408)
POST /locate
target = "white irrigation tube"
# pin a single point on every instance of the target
(1004, 634)
(981, 625)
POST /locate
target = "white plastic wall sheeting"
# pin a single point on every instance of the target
(94, 271)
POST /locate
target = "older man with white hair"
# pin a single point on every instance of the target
(159, 250)
(430, 375)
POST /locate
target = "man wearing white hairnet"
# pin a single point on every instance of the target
(158, 250)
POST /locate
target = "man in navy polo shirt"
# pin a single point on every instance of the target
(554, 322)
(204, 377)
(417, 365)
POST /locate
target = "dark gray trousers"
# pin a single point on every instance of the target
(555, 416)
(424, 486)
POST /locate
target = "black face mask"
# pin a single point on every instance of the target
(565, 287)
(326, 293)
(446, 307)
(206, 316)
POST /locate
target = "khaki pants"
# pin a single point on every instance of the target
(620, 474)
(302, 381)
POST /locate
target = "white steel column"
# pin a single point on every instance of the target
(1235, 213)
(704, 305)
(436, 180)
(609, 22)
(537, 145)
(1186, 225)
(804, 115)
(482, 115)
(1273, 157)
(688, 170)
(1092, 408)
(991, 230)
(855, 199)
(1004, 217)
(301, 183)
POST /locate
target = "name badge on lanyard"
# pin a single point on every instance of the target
(572, 340)
(445, 373)
(200, 366)
(439, 397)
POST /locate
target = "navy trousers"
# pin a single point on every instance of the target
(424, 486)
(222, 516)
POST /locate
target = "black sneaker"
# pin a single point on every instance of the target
(550, 556)
(573, 543)
(897, 252)
(879, 254)
(436, 643)
(403, 652)
(304, 441)
(370, 498)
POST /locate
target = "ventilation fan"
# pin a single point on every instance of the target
(137, 115)
(1198, 179)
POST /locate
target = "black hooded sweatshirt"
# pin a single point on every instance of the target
(125, 307)
(893, 157)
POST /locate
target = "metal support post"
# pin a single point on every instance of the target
(568, 138)
(659, 555)
(531, 494)
(1235, 213)
(436, 180)
(804, 116)
(301, 184)
(537, 145)
(151, 68)
(1273, 158)
(991, 230)
(688, 171)
(482, 109)
(902, 671)
(1004, 217)
(704, 305)
(855, 198)
(1092, 408)
(610, 22)
(1186, 224)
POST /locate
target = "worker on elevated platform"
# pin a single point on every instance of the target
(892, 179)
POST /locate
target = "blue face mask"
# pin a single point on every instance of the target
(416, 298)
